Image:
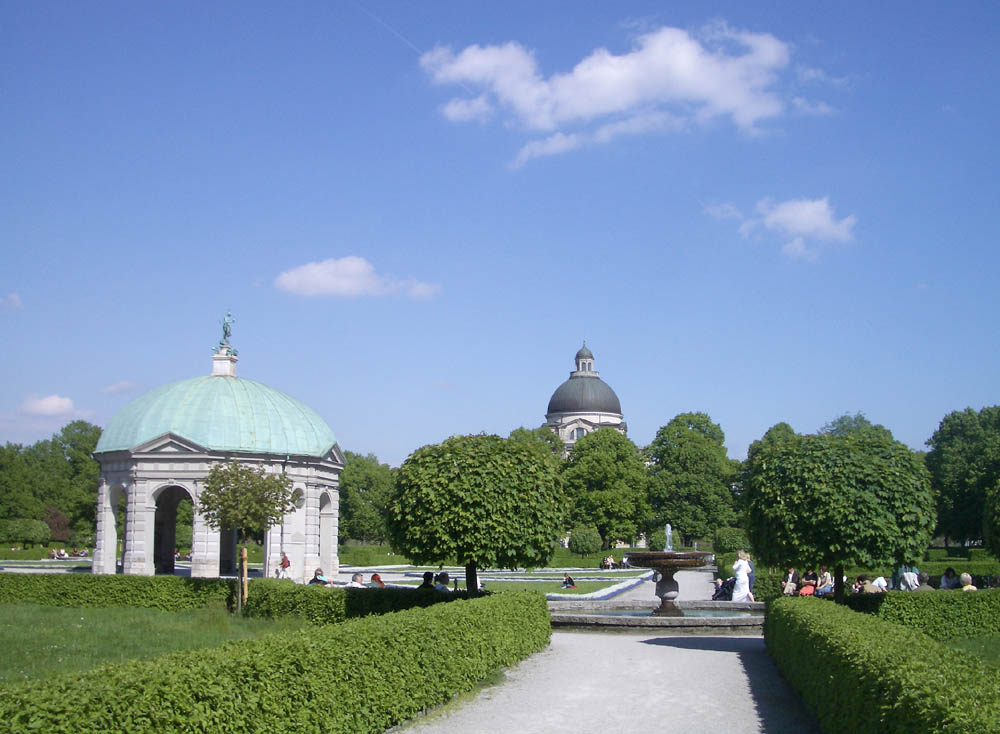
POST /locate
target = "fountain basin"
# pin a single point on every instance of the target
(667, 563)
(727, 618)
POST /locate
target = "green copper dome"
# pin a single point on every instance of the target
(221, 413)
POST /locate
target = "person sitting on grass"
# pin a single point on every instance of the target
(790, 584)
(925, 582)
(808, 585)
(966, 581)
(428, 580)
(377, 582)
(568, 582)
(357, 580)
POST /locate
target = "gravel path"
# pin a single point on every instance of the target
(601, 683)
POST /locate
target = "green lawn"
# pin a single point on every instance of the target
(986, 647)
(39, 642)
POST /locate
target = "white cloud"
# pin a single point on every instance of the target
(812, 108)
(797, 249)
(49, 405)
(805, 221)
(348, 277)
(811, 75)
(811, 218)
(12, 301)
(669, 76)
(118, 388)
(722, 211)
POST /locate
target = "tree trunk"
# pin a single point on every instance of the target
(471, 579)
(838, 584)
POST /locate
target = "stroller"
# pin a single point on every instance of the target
(725, 592)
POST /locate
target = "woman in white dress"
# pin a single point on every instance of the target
(741, 570)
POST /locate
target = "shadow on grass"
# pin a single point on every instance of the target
(779, 708)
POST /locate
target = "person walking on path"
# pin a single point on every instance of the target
(741, 570)
(284, 573)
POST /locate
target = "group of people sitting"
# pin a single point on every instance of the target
(62, 555)
(357, 581)
(609, 563)
(906, 578)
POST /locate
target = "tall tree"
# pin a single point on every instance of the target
(365, 492)
(860, 498)
(964, 462)
(486, 501)
(542, 436)
(692, 477)
(847, 423)
(607, 486)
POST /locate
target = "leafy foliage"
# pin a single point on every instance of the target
(169, 593)
(543, 436)
(859, 673)
(859, 499)
(964, 462)
(946, 615)
(584, 540)
(236, 495)
(846, 424)
(365, 492)
(25, 532)
(607, 485)
(486, 501)
(274, 599)
(730, 540)
(308, 680)
(56, 473)
(692, 476)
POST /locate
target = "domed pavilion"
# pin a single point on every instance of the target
(158, 449)
(583, 403)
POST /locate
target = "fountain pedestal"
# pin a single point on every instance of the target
(667, 563)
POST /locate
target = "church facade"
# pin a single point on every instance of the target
(583, 403)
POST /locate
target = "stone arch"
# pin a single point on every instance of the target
(166, 499)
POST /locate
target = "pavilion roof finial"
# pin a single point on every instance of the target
(224, 357)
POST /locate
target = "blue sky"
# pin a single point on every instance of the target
(417, 212)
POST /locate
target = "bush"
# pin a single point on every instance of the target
(25, 532)
(584, 540)
(947, 615)
(859, 673)
(730, 540)
(365, 675)
(981, 554)
(273, 598)
(169, 593)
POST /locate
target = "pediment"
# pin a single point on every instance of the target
(169, 443)
(336, 455)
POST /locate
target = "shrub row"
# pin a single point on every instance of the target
(863, 674)
(942, 615)
(169, 593)
(365, 675)
(273, 598)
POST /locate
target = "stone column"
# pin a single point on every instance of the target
(204, 548)
(106, 544)
(139, 527)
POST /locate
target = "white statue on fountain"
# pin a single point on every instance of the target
(669, 545)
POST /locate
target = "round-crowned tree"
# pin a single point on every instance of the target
(584, 540)
(855, 499)
(485, 501)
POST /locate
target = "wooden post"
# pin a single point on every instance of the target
(243, 574)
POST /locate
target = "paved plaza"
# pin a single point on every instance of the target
(601, 682)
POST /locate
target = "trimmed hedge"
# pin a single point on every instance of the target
(169, 593)
(273, 598)
(364, 675)
(859, 673)
(942, 615)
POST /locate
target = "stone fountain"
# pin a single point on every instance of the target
(666, 563)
